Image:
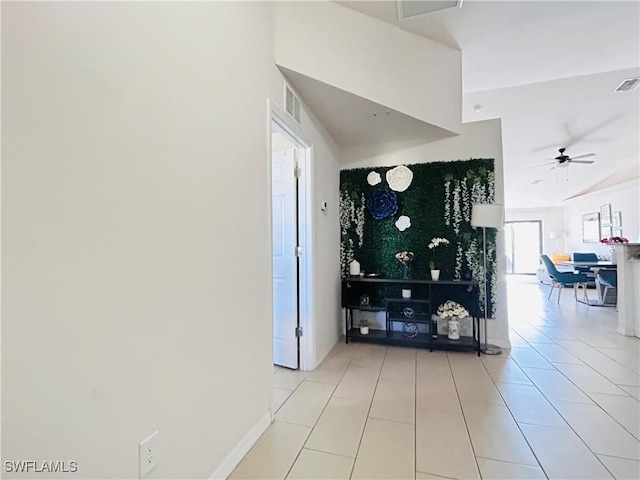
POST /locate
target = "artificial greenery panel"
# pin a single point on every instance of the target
(438, 201)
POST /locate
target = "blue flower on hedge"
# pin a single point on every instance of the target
(382, 203)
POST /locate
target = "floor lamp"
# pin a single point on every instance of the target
(556, 236)
(487, 216)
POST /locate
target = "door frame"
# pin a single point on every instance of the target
(540, 242)
(305, 234)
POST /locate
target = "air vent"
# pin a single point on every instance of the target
(292, 103)
(413, 8)
(628, 85)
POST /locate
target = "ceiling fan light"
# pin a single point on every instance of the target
(563, 165)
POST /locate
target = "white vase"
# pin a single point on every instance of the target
(454, 328)
(435, 274)
(406, 293)
(364, 330)
(354, 268)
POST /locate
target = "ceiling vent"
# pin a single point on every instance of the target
(628, 85)
(291, 103)
(413, 8)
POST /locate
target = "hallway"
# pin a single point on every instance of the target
(563, 403)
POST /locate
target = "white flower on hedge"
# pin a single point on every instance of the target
(438, 241)
(447, 201)
(466, 204)
(403, 223)
(399, 178)
(374, 178)
(458, 268)
(359, 220)
(457, 215)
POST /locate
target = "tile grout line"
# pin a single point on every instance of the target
(558, 412)
(366, 420)
(318, 419)
(611, 416)
(464, 418)
(583, 363)
(599, 349)
(514, 419)
(583, 391)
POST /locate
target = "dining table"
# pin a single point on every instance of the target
(593, 267)
(598, 264)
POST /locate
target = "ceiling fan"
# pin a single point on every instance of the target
(562, 160)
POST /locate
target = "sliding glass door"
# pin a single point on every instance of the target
(523, 245)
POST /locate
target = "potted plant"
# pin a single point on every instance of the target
(435, 242)
(612, 242)
(405, 258)
(452, 312)
(364, 327)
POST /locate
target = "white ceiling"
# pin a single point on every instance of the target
(506, 43)
(548, 69)
(353, 120)
(582, 114)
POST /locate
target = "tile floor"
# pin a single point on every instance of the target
(562, 404)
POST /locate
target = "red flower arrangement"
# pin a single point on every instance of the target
(612, 240)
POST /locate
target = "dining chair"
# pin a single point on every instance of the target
(608, 278)
(585, 257)
(562, 279)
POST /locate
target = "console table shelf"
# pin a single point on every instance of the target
(383, 295)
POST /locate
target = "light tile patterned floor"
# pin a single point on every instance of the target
(562, 404)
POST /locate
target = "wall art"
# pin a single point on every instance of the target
(616, 219)
(605, 214)
(591, 228)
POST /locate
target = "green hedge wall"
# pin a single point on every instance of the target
(438, 202)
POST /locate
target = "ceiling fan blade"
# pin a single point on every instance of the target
(541, 165)
(582, 161)
(584, 156)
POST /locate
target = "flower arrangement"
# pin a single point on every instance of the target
(435, 242)
(405, 258)
(452, 309)
(614, 240)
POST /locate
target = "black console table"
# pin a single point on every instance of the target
(376, 294)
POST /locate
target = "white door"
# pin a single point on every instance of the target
(285, 261)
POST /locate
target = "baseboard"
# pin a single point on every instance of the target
(242, 448)
(622, 330)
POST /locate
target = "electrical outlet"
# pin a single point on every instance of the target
(148, 454)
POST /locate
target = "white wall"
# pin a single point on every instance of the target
(326, 233)
(372, 59)
(552, 221)
(624, 198)
(129, 130)
(476, 140)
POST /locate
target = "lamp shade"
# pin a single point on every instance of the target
(555, 235)
(487, 215)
